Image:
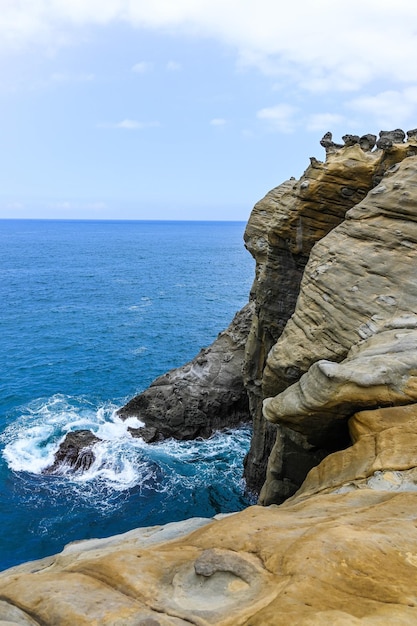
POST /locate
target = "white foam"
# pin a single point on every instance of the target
(29, 453)
(121, 461)
(140, 350)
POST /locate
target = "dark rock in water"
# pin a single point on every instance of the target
(202, 396)
(75, 453)
(149, 435)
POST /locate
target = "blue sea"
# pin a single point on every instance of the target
(91, 312)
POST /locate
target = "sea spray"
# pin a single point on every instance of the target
(91, 313)
(164, 481)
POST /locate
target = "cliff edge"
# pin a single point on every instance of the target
(330, 368)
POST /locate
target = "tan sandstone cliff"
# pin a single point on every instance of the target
(336, 372)
(280, 234)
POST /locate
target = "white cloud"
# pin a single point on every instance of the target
(63, 77)
(70, 205)
(320, 46)
(173, 66)
(128, 124)
(218, 121)
(280, 118)
(142, 67)
(389, 108)
(14, 206)
(324, 121)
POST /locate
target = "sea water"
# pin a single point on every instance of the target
(91, 312)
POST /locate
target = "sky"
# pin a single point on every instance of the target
(189, 109)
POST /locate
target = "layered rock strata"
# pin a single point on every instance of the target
(351, 339)
(281, 233)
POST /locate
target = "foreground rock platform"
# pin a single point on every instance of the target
(330, 558)
(342, 551)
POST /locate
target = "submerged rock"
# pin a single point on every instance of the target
(149, 435)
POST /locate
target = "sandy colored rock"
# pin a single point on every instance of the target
(359, 280)
(282, 229)
(383, 455)
(343, 557)
(350, 342)
(378, 371)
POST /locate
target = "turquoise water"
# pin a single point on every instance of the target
(90, 313)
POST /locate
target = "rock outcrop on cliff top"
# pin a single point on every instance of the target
(336, 371)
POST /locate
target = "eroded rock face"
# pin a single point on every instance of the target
(337, 558)
(360, 279)
(379, 371)
(204, 395)
(281, 232)
(354, 328)
(382, 457)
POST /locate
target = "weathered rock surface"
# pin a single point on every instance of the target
(383, 455)
(341, 551)
(280, 234)
(359, 280)
(380, 371)
(353, 328)
(204, 395)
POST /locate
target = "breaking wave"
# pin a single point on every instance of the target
(172, 469)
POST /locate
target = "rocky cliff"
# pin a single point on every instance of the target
(201, 396)
(281, 233)
(330, 368)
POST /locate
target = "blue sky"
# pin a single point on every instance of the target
(188, 109)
